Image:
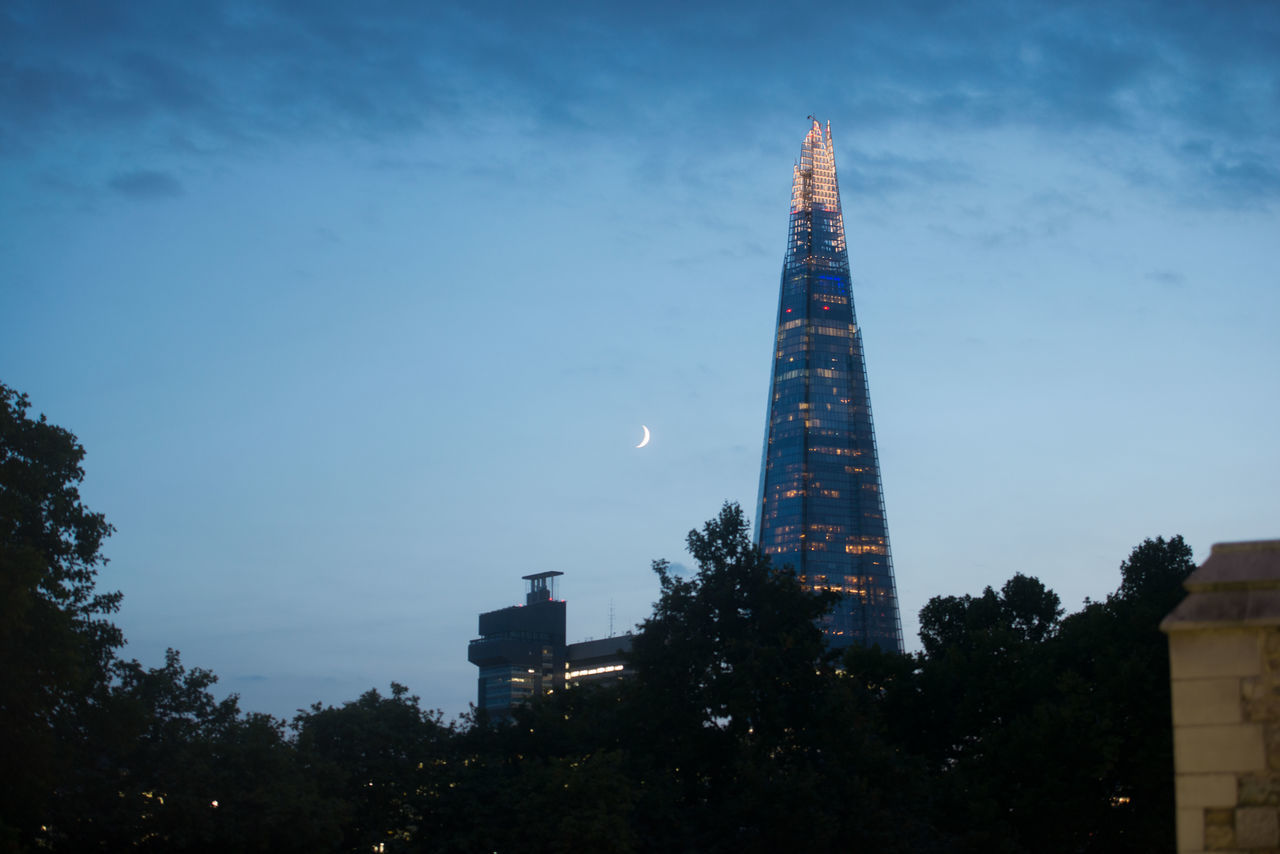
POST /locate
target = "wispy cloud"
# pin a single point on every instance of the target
(865, 173)
(1167, 278)
(146, 184)
(234, 73)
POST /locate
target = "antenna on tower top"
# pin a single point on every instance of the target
(610, 618)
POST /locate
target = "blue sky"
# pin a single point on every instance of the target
(359, 309)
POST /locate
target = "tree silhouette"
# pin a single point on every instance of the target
(56, 643)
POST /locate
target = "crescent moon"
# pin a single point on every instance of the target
(645, 440)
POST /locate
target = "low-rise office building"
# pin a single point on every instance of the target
(522, 653)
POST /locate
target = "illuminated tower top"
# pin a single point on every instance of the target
(814, 181)
(821, 510)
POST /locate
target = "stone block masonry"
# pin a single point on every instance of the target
(1224, 663)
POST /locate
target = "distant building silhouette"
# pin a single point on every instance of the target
(521, 651)
(820, 506)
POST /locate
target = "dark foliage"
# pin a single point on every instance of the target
(1042, 733)
(100, 753)
(1015, 730)
(378, 761)
(56, 644)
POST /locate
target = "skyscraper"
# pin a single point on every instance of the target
(820, 508)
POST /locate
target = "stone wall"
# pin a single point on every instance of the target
(1224, 660)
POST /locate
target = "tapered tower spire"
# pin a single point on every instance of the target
(821, 509)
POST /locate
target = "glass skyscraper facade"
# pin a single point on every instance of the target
(820, 507)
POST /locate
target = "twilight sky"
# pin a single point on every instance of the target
(359, 308)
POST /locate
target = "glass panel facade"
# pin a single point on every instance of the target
(820, 506)
(503, 686)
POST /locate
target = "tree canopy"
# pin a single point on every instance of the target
(56, 643)
(1016, 728)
